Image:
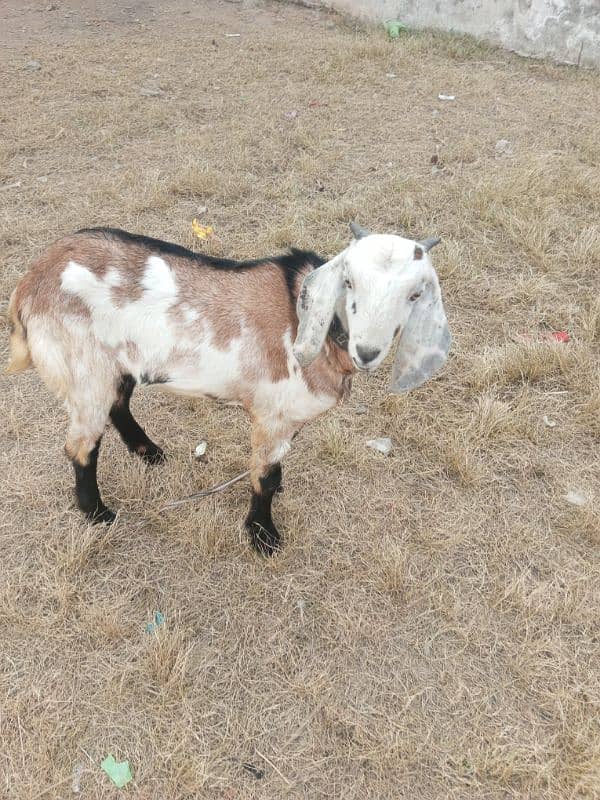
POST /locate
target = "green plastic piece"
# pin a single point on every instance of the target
(394, 28)
(117, 771)
(159, 620)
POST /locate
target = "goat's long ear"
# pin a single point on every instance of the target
(358, 231)
(424, 343)
(316, 307)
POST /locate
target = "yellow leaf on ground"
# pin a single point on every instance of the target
(201, 231)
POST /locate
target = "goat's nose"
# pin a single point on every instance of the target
(366, 354)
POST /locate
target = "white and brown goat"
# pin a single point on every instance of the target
(103, 310)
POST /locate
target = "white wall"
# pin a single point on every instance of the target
(550, 28)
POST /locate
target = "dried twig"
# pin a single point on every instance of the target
(198, 495)
(271, 764)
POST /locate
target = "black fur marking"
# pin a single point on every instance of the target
(157, 245)
(354, 308)
(147, 380)
(12, 327)
(130, 431)
(303, 299)
(125, 389)
(87, 492)
(338, 334)
(270, 482)
(290, 264)
(259, 523)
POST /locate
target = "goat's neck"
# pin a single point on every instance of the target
(337, 353)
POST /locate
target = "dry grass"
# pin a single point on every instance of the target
(431, 629)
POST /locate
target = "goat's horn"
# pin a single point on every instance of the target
(357, 231)
(427, 244)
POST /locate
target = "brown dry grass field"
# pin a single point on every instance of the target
(431, 629)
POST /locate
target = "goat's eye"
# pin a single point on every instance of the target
(415, 296)
(348, 284)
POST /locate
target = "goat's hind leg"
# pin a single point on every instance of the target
(86, 489)
(78, 370)
(82, 447)
(132, 434)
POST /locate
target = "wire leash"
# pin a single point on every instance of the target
(205, 493)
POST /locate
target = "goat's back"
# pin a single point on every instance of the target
(148, 304)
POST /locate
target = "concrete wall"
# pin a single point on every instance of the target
(549, 28)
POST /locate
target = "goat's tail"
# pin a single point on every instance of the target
(20, 355)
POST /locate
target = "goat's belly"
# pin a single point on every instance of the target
(206, 372)
(196, 387)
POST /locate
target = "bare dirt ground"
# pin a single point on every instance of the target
(431, 628)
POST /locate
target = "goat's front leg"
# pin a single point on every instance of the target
(265, 474)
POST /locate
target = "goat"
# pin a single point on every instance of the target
(103, 310)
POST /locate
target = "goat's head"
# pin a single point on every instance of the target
(381, 286)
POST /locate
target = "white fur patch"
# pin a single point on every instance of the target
(204, 369)
(148, 339)
(279, 452)
(113, 277)
(189, 314)
(290, 399)
(143, 322)
(159, 280)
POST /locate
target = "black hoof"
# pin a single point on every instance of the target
(265, 540)
(151, 454)
(101, 515)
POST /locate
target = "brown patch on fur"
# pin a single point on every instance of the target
(130, 261)
(40, 285)
(270, 282)
(79, 450)
(330, 373)
(245, 291)
(42, 281)
(258, 298)
(37, 291)
(132, 350)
